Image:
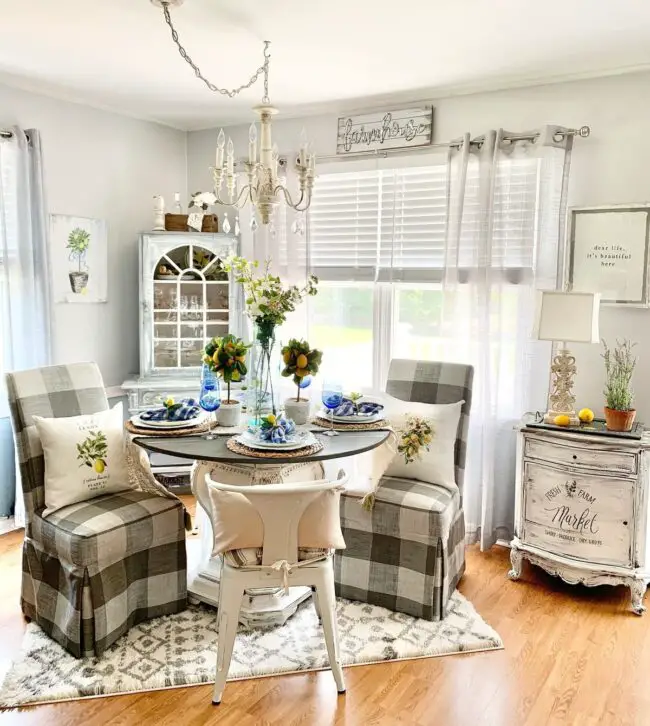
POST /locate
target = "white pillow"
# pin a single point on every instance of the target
(435, 466)
(84, 457)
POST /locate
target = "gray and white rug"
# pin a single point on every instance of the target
(179, 650)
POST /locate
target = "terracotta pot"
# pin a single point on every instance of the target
(229, 413)
(297, 410)
(619, 420)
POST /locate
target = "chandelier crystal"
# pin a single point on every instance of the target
(263, 189)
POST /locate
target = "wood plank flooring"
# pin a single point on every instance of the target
(572, 655)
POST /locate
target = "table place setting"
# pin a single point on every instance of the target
(348, 413)
(275, 437)
(172, 418)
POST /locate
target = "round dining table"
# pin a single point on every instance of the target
(261, 608)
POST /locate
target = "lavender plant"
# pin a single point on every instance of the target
(619, 367)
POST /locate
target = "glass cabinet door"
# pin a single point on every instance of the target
(190, 305)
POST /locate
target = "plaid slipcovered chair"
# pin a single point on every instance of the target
(408, 553)
(94, 569)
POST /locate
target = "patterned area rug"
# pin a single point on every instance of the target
(179, 650)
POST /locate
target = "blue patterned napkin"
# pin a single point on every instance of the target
(277, 432)
(184, 410)
(368, 408)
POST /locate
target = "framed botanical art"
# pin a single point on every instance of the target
(608, 253)
(79, 258)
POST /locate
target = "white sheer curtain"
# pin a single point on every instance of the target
(25, 336)
(504, 241)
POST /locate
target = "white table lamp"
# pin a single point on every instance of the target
(565, 317)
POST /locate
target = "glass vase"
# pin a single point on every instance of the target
(264, 374)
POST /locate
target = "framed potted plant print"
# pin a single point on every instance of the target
(79, 259)
(608, 253)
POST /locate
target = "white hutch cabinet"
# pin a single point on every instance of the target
(186, 298)
(581, 509)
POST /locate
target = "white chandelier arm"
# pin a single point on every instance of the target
(239, 202)
(306, 198)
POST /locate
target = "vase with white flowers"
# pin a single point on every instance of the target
(268, 302)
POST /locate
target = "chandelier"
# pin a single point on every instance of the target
(264, 189)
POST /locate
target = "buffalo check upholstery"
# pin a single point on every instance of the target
(408, 552)
(91, 570)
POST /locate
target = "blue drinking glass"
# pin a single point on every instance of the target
(332, 397)
(210, 396)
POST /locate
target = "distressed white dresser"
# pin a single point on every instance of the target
(581, 510)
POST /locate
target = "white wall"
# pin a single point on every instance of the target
(107, 166)
(611, 167)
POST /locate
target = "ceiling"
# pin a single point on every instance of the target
(326, 54)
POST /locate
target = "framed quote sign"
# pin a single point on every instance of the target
(386, 129)
(608, 253)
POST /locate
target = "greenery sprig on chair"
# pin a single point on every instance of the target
(226, 356)
(300, 361)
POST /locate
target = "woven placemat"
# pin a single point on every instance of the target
(244, 450)
(185, 431)
(338, 426)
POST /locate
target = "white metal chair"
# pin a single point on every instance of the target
(269, 517)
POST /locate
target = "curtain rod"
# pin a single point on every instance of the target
(582, 132)
(5, 134)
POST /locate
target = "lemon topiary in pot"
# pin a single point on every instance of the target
(301, 362)
(619, 397)
(226, 356)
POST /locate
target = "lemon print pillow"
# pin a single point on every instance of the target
(84, 457)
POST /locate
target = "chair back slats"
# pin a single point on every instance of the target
(436, 382)
(51, 392)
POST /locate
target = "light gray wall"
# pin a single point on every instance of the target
(103, 165)
(611, 167)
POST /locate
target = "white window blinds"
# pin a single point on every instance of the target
(381, 224)
(390, 224)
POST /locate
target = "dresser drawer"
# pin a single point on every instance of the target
(586, 516)
(587, 457)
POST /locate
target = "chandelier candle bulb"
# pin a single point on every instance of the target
(221, 142)
(252, 145)
(230, 163)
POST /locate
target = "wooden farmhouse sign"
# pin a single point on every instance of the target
(394, 129)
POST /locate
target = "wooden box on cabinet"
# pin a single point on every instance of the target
(581, 509)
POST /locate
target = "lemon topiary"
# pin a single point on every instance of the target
(226, 356)
(300, 361)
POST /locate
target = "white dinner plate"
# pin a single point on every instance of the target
(250, 440)
(137, 421)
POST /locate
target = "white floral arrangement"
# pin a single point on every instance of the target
(203, 200)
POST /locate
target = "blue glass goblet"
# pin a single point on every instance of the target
(332, 397)
(210, 396)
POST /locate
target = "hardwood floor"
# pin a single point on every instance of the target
(572, 655)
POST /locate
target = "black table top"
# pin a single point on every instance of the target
(347, 443)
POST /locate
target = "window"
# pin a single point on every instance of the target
(377, 243)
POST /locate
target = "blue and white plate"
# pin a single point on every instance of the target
(295, 441)
(186, 424)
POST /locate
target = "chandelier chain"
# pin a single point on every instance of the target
(231, 93)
